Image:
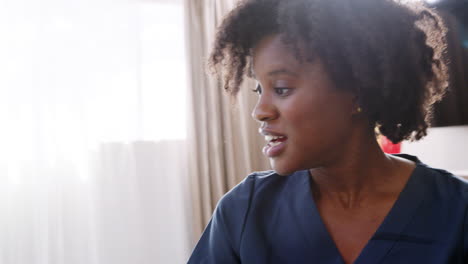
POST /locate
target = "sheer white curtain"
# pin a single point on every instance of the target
(92, 132)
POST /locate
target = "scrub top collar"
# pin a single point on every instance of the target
(388, 233)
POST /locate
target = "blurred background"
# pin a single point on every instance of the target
(115, 145)
(93, 115)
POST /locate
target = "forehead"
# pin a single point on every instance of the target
(272, 54)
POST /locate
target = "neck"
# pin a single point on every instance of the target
(361, 174)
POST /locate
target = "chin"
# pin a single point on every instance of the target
(281, 169)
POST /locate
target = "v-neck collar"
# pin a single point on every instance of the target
(311, 225)
(383, 240)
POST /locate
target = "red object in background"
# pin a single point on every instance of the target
(388, 147)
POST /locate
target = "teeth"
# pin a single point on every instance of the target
(269, 138)
(273, 144)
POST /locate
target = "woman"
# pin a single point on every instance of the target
(329, 73)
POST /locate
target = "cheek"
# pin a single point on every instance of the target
(305, 126)
(309, 114)
(318, 122)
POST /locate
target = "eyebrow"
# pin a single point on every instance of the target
(277, 72)
(282, 71)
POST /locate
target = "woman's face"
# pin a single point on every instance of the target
(298, 102)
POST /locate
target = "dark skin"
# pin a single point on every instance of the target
(355, 183)
(354, 198)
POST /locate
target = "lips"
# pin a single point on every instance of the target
(276, 143)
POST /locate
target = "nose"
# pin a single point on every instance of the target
(264, 110)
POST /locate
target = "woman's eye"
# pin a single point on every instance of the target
(282, 91)
(258, 89)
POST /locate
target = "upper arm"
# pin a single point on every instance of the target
(220, 242)
(215, 244)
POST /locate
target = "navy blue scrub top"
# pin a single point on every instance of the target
(269, 218)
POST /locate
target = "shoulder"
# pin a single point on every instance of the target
(444, 184)
(220, 242)
(257, 185)
(236, 205)
(452, 191)
(439, 183)
(233, 208)
(240, 196)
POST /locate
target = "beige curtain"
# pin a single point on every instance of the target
(224, 143)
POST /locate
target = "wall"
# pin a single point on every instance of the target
(444, 147)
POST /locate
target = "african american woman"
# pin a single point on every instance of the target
(330, 74)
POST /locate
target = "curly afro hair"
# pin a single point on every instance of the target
(390, 54)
